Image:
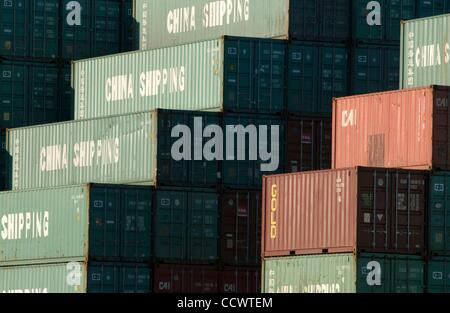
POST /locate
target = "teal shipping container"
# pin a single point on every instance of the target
(379, 21)
(438, 275)
(50, 29)
(30, 94)
(77, 277)
(439, 214)
(236, 74)
(427, 8)
(163, 148)
(186, 225)
(374, 68)
(128, 26)
(88, 222)
(316, 74)
(3, 162)
(344, 273)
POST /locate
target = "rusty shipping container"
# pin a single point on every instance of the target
(346, 210)
(405, 129)
(240, 227)
(171, 278)
(240, 280)
(308, 144)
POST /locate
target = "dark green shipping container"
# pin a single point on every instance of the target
(316, 74)
(439, 214)
(186, 225)
(438, 275)
(128, 26)
(30, 94)
(427, 8)
(373, 23)
(3, 161)
(375, 68)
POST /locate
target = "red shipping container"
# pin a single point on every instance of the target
(173, 278)
(346, 210)
(240, 227)
(308, 144)
(407, 128)
(240, 280)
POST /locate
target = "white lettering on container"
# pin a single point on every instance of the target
(220, 13)
(74, 16)
(161, 81)
(53, 158)
(29, 225)
(119, 88)
(100, 152)
(181, 20)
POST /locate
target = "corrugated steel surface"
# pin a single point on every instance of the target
(174, 22)
(49, 278)
(438, 275)
(186, 225)
(432, 7)
(346, 210)
(439, 214)
(4, 159)
(308, 144)
(344, 273)
(406, 128)
(240, 280)
(240, 227)
(425, 52)
(85, 151)
(185, 279)
(108, 222)
(237, 74)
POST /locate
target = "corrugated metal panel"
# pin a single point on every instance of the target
(425, 52)
(129, 26)
(344, 273)
(240, 280)
(439, 214)
(345, 210)
(438, 275)
(50, 278)
(432, 7)
(174, 22)
(413, 135)
(185, 279)
(186, 225)
(4, 159)
(13, 18)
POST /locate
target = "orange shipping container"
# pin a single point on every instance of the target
(397, 129)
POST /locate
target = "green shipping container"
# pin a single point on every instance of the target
(237, 74)
(316, 74)
(425, 52)
(439, 214)
(344, 273)
(3, 162)
(379, 21)
(427, 8)
(438, 275)
(76, 277)
(88, 222)
(30, 94)
(128, 25)
(374, 68)
(186, 226)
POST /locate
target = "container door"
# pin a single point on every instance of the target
(44, 102)
(103, 278)
(335, 19)
(13, 95)
(438, 275)
(427, 8)
(106, 23)
(128, 26)
(439, 214)
(135, 279)
(44, 22)
(397, 11)
(171, 225)
(104, 223)
(4, 161)
(304, 19)
(407, 274)
(14, 28)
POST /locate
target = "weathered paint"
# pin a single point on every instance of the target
(439, 214)
(425, 52)
(344, 273)
(438, 275)
(237, 74)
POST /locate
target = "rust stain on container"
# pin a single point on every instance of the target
(345, 210)
(397, 129)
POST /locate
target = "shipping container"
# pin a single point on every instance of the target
(182, 279)
(76, 277)
(240, 280)
(308, 144)
(52, 29)
(237, 74)
(317, 72)
(344, 273)
(379, 21)
(345, 210)
(438, 275)
(240, 227)
(406, 128)
(186, 225)
(95, 222)
(374, 68)
(427, 8)
(30, 95)
(439, 214)
(424, 58)
(128, 25)
(3, 162)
